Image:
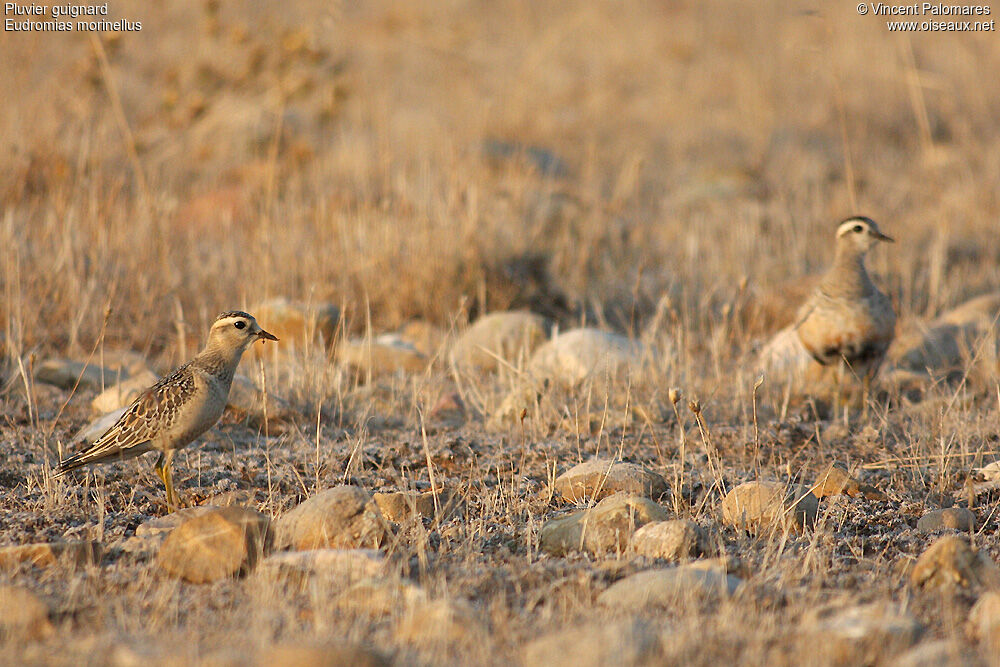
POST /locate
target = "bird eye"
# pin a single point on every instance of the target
(240, 324)
(858, 229)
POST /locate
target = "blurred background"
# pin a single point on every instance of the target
(587, 160)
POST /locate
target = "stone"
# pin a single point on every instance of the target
(23, 615)
(403, 505)
(243, 497)
(63, 373)
(596, 644)
(605, 527)
(950, 563)
(668, 586)
(950, 518)
(984, 479)
(440, 621)
(299, 325)
(574, 356)
(381, 355)
(862, 634)
(330, 565)
(161, 526)
(422, 335)
(935, 654)
(784, 359)
(835, 481)
(123, 393)
(224, 542)
(677, 539)
(378, 597)
(247, 401)
(499, 338)
(327, 654)
(46, 554)
(984, 619)
(344, 517)
(758, 506)
(952, 340)
(600, 478)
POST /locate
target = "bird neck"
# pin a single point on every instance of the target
(848, 277)
(219, 360)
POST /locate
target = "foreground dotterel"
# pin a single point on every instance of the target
(172, 413)
(847, 319)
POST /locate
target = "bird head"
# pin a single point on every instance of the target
(859, 234)
(237, 330)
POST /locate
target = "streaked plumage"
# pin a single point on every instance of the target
(172, 413)
(848, 319)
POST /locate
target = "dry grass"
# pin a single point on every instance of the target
(671, 172)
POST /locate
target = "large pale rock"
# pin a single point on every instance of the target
(499, 337)
(123, 393)
(23, 615)
(600, 478)
(224, 542)
(382, 354)
(99, 426)
(966, 332)
(984, 619)
(46, 554)
(329, 565)
(606, 526)
(669, 586)
(329, 654)
(784, 359)
(344, 517)
(298, 325)
(950, 563)
(949, 518)
(574, 356)
(761, 506)
(865, 634)
(677, 539)
(625, 642)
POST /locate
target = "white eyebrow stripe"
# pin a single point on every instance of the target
(847, 225)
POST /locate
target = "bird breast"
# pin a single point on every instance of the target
(853, 329)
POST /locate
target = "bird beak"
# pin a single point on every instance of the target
(882, 237)
(263, 335)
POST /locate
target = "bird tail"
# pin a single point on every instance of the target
(99, 452)
(78, 460)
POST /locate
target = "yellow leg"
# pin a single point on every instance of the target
(837, 390)
(163, 471)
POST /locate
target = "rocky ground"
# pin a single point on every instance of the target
(648, 527)
(533, 402)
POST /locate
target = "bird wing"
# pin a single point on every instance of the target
(153, 411)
